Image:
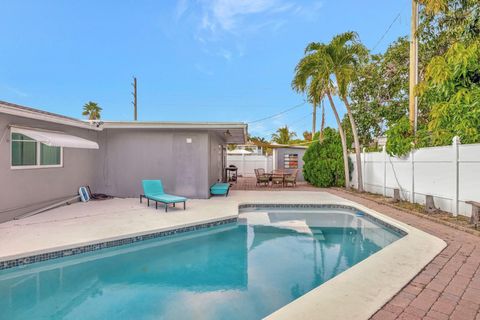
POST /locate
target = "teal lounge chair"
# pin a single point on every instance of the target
(220, 189)
(153, 190)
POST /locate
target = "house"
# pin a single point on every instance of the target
(249, 146)
(46, 157)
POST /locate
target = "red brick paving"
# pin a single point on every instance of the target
(249, 183)
(448, 287)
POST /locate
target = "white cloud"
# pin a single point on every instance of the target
(228, 13)
(220, 24)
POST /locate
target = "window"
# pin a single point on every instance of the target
(28, 153)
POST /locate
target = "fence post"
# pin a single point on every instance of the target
(363, 168)
(384, 150)
(455, 144)
(243, 165)
(266, 163)
(412, 161)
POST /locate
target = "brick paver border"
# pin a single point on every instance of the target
(448, 287)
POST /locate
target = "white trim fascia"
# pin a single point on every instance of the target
(46, 117)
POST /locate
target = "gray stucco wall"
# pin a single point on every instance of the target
(279, 159)
(24, 190)
(215, 161)
(127, 156)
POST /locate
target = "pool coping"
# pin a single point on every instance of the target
(360, 290)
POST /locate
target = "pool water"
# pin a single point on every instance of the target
(239, 271)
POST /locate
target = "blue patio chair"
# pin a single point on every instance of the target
(153, 190)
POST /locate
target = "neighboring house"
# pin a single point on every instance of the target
(111, 157)
(250, 147)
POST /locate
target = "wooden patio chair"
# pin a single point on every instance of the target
(262, 178)
(277, 178)
(291, 178)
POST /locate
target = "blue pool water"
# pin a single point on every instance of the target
(239, 271)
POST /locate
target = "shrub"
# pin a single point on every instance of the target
(323, 161)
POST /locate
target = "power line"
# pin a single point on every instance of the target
(280, 113)
(386, 31)
(270, 130)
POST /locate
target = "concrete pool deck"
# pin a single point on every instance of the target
(360, 291)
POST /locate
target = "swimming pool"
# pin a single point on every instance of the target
(246, 270)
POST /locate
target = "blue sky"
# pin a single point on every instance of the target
(219, 60)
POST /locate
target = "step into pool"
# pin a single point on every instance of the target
(243, 270)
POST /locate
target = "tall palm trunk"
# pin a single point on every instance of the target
(344, 142)
(358, 156)
(322, 126)
(314, 120)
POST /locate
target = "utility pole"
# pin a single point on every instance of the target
(413, 73)
(134, 93)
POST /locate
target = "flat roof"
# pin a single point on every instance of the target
(234, 132)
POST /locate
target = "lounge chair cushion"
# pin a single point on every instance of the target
(219, 188)
(166, 198)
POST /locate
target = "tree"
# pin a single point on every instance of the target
(379, 92)
(452, 86)
(449, 64)
(302, 84)
(322, 125)
(323, 161)
(283, 136)
(307, 135)
(261, 142)
(312, 75)
(92, 110)
(346, 53)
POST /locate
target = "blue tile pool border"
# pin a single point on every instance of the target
(249, 206)
(7, 264)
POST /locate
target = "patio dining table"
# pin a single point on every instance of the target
(282, 173)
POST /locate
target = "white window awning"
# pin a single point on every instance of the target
(56, 139)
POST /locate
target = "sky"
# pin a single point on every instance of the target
(195, 60)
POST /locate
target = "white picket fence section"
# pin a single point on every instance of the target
(451, 174)
(247, 163)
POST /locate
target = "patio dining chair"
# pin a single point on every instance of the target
(262, 178)
(291, 178)
(277, 178)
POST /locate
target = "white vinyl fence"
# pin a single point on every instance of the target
(451, 174)
(247, 163)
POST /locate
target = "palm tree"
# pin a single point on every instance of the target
(283, 135)
(312, 76)
(303, 85)
(322, 125)
(346, 53)
(307, 135)
(92, 110)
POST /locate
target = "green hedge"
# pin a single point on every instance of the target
(323, 161)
